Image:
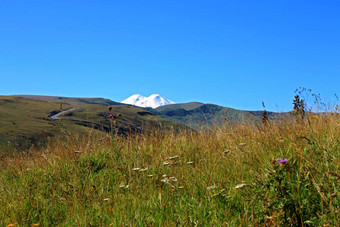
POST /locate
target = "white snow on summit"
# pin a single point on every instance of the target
(152, 101)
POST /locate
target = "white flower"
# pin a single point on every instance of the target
(143, 170)
(165, 180)
(211, 187)
(173, 179)
(173, 157)
(240, 186)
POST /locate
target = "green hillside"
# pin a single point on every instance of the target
(197, 115)
(186, 106)
(72, 100)
(25, 121)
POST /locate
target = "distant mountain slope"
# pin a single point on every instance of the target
(152, 101)
(186, 106)
(197, 115)
(72, 100)
(26, 121)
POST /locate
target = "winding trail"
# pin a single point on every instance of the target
(63, 112)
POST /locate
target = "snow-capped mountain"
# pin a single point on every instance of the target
(152, 101)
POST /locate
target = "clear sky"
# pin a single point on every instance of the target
(235, 53)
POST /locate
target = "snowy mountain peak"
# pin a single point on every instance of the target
(152, 101)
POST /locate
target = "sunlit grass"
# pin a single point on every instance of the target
(226, 176)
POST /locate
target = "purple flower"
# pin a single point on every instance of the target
(282, 160)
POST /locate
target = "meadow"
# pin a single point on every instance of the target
(273, 173)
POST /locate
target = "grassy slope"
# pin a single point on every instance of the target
(186, 106)
(72, 100)
(132, 119)
(197, 115)
(22, 120)
(25, 121)
(227, 177)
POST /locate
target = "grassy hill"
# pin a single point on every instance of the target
(197, 115)
(25, 120)
(72, 100)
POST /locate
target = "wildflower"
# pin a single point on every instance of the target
(173, 179)
(295, 111)
(36, 224)
(211, 187)
(106, 199)
(135, 169)
(240, 186)
(124, 186)
(336, 107)
(143, 170)
(166, 163)
(242, 144)
(174, 157)
(150, 175)
(190, 163)
(165, 180)
(282, 160)
(316, 117)
(110, 116)
(109, 108)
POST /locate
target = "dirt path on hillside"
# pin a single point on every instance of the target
(63, 112)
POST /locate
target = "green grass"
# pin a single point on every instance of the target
(225, 177)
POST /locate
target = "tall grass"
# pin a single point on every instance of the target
(228, 176)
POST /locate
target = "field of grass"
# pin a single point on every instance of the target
(228, 176)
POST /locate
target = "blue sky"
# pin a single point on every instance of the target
(235, 53)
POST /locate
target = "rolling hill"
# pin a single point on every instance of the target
(26, 120)
(199, 115)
